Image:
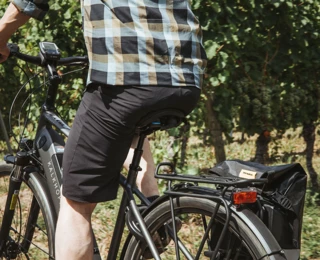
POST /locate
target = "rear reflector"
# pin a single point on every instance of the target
(244, 196)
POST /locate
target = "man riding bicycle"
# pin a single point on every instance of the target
(144, 55)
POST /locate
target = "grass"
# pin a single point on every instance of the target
(288, 149)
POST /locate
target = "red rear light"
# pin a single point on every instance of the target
(244, 196)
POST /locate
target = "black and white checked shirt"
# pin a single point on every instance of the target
(138, 42)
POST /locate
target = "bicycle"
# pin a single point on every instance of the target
(189, 219)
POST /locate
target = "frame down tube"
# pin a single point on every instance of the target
(50, 145)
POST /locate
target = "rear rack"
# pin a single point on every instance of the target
(224, 181)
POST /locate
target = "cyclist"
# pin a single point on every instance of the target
(145, 55)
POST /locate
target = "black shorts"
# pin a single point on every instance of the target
(102, 133)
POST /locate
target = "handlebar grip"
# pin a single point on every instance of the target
(78, 60)
(14, 48)
(15, 51)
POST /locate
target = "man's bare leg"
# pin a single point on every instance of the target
(146, 182)
(74, 234)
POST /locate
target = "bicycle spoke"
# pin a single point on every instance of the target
(30, 242)
(23, 237)
(195, 215)
(40, 229)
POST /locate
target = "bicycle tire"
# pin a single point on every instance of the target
(38, 241)
(237, 231)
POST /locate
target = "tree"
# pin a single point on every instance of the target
(262, 57)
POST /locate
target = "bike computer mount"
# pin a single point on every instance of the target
(49, 51)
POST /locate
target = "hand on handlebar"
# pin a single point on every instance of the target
(4, 53)
(13, 50)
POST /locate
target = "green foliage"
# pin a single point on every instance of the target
(263, 61)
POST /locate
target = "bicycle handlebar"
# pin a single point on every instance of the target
(69, 61)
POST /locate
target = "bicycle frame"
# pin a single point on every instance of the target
(50, 146)
(45, 139)
(49, 143)
(128, 184)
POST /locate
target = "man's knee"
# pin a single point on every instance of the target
(82, 208)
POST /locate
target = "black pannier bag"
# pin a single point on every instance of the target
(282, 196)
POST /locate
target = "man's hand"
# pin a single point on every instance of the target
(9, 23)
(4, 53)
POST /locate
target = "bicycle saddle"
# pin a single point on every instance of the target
(160, 120)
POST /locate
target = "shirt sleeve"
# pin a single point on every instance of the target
(33, 8)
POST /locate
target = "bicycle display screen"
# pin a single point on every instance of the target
(49, 50)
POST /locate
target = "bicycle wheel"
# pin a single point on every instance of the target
(195, 213)
(32, 230)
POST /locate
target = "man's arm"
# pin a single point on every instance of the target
(16, 15)
(9, 23)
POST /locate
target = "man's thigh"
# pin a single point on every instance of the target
(102, 133)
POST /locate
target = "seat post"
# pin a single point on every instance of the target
(135, 164)
(131, 181)
(156, 120)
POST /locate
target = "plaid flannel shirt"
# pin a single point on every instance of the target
(138, 42)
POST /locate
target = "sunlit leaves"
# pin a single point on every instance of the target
(265, 45)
